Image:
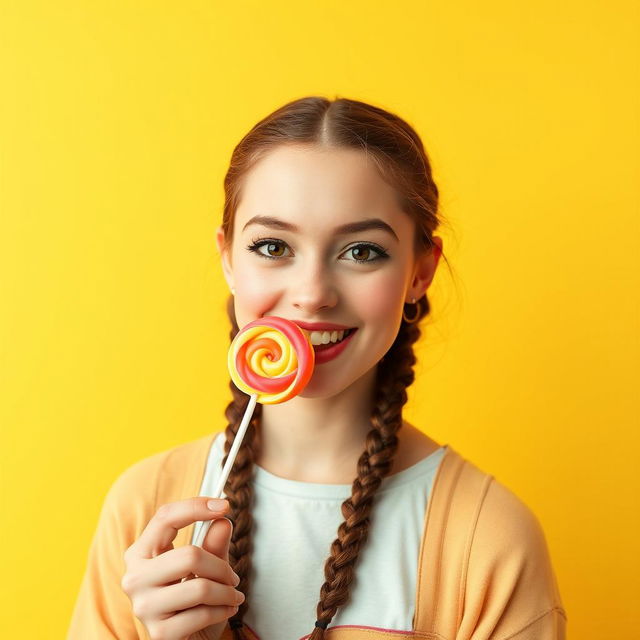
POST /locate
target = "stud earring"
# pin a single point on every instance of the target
(412, 320)
(233, 291)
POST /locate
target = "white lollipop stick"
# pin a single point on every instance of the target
(226, 470)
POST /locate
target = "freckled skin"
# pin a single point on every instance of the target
(316, 275)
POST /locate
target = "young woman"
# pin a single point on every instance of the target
(340, 519)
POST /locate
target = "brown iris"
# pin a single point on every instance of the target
(358, 251)
(278, 246)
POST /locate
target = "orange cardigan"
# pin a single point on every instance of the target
(484, 571)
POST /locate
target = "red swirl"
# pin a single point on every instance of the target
(294, 382)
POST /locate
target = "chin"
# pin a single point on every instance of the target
(317, 390)
(323, 386)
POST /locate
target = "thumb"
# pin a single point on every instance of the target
(218, 538)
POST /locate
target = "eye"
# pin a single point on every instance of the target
(275, 248)
(362, 251)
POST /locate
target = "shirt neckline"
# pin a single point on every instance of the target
(297, 488)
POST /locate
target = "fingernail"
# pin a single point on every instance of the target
(236, 578)
(217, 504)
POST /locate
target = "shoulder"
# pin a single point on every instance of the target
(413, 446)
(505, 526)
(495, 518)
(508, 570)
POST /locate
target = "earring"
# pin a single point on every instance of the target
(412, 320)
(233, 291)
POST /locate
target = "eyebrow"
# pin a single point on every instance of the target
(351, 227)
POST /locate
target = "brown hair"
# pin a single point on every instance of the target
(401, 159)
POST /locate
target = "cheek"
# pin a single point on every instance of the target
(381, 312)
(255, 295)
(381, 297)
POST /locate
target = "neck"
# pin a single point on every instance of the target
(317, 439)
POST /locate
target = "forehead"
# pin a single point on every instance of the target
(316, 188)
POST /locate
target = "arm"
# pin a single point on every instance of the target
(103, 610)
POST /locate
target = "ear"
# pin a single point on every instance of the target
(425, 269)
(224, 255)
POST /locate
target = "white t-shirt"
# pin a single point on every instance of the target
(294, 524)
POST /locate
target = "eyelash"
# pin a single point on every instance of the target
(256, 244)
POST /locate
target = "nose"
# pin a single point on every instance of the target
(314, 289)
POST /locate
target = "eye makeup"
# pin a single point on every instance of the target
(258, 243)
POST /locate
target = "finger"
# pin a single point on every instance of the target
(190, 621)
(167, 601)
(218, 538)
(190, 559)
(163, 527)
(217, 541)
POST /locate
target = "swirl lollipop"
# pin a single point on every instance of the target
(272, 360)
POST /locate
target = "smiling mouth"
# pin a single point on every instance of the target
(322, 340)
(323, 346)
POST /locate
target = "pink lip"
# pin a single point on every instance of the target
(334, 351)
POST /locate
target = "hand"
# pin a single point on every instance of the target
(169, 608)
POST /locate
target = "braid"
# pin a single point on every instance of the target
(239, 488)
(395, 374)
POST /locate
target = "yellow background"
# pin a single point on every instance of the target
(117, 121)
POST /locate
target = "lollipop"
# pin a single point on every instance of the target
(271, 357)
(272, 360)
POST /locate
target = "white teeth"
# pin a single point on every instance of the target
(325, 337)
(316, 337)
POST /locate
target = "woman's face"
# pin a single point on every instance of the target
(290, 256)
